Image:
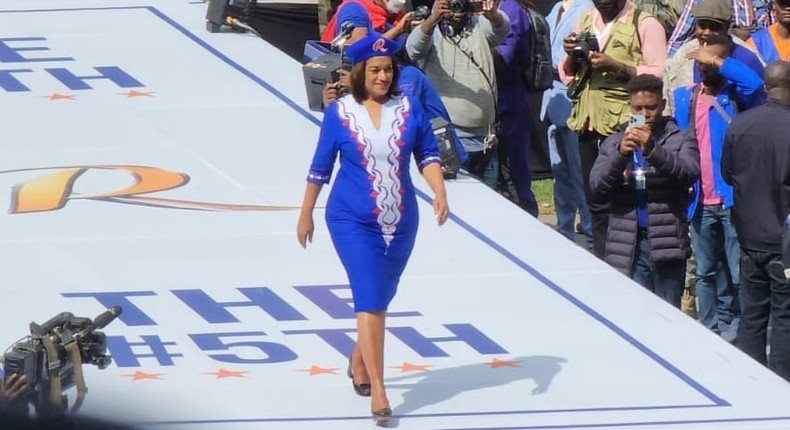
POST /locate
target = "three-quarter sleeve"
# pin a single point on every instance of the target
(327, 148)
(426, 151)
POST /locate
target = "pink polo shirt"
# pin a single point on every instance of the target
(702, 130)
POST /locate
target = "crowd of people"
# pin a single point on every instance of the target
(667, 141)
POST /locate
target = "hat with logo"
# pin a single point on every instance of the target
(714, 10)
(372, 45)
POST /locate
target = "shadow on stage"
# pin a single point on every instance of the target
(438, 386)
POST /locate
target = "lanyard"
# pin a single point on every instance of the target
(639, 185)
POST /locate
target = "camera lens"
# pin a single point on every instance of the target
(422, 12)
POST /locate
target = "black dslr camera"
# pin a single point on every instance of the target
(466, 6)
(51, 359)
(422, 12)
(586, 42)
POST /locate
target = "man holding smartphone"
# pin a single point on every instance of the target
(611, 43)
(644, 172)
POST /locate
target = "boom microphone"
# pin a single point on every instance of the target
(106, 317)
(345, 32)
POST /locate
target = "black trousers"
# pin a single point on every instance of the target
(765, 300)
(599, 210)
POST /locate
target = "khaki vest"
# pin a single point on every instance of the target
(603, 103)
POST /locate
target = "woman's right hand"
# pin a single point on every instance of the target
(304, 230)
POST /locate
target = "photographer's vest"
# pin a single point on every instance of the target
(603, 103)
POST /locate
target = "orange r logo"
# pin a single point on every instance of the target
(52, 191)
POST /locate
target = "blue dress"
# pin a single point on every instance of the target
(372, 208)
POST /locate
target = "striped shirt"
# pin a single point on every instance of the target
(746, 13)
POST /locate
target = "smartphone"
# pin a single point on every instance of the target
(636, 120)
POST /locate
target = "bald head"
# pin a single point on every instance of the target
(777, 80)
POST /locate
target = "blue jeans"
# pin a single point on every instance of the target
(665, 279)
(569, 197)
(483, 164)
(716, 249)
(765, 299)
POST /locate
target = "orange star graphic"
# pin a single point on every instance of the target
(317, 370)
(408, 367)
(501, 363)
(58, 96)
(222, 373)
(133, 93)
(138, 375)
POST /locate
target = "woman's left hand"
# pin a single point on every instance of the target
(440, 209)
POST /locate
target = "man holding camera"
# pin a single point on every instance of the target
(611, 44)
(645, 171)
(453, 46)
(367, 16)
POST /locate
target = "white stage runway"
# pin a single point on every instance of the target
(148, 163)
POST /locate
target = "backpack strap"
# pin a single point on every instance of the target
(637, 13)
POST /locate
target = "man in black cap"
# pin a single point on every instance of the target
(711, 17)
(756, 161)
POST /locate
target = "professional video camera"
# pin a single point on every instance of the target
(323, 65)
(466, 6)
(51, 359)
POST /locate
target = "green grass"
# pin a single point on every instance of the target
(544, 194)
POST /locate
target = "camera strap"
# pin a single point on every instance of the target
(492, 128)
(53, 364)
(73, 349)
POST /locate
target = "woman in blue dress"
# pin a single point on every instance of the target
(372, 212)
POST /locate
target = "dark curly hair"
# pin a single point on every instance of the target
(646, 82)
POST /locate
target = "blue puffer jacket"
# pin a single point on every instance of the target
(673, 165)
(746, 86)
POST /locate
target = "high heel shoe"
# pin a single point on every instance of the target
(382, 415)
(361, 389)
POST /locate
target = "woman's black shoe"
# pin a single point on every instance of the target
(361, 389)
(382, 415)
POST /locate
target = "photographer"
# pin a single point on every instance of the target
(368, 16)
(611, 44)
(645, 171)
(453, 46)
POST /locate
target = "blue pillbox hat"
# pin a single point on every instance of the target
(372, 45)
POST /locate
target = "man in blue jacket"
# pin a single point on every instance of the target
(705, 109)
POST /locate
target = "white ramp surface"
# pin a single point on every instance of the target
(150, 164)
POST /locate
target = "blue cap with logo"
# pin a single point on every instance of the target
(372, 45)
